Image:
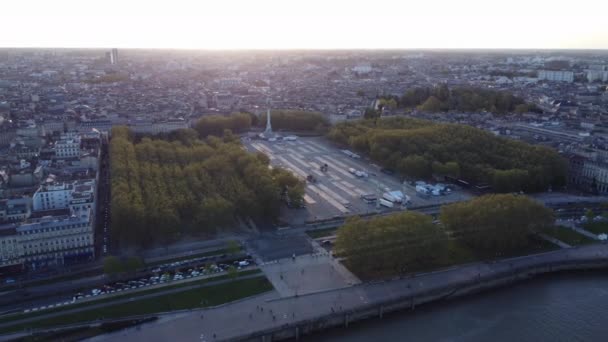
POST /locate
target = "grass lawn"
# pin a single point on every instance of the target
(126, 294)
(597, 227)
(568, 236)
(189, 299)
(319, 233)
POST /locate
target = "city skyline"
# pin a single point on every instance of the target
(271, 24)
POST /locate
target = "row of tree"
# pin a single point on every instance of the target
(500, 222)
(217, 124)
(410, 241)
(420, 149)
(164, 189)
(296, 120)
(113, 265)
(441, 98)
(392, 244)
(288, 120)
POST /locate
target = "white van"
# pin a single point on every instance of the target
(386, 203)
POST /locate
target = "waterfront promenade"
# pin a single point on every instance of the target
(270, 312)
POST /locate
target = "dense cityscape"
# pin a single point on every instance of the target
(131, 176)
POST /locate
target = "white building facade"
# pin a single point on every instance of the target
(67, 148)
(556, 75)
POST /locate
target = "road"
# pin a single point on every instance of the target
(277, 312)
(125, 300)
(59, 292)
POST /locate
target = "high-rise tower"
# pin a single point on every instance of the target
(114, 56)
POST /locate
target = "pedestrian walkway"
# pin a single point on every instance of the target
(573, 226)
(260, 314)
(306, 274)
(554, 241)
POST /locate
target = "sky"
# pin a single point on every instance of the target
(305, 24)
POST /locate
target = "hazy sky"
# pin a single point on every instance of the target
(218, 24)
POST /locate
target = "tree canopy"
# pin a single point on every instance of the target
(441, 98)
(499, 223)
(163, 189)
(296, 120)
(217, 124)
(406, 242)
(391, 244)
(420, 148)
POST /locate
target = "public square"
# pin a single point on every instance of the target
(337, 192)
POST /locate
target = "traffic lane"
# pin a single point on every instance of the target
(126, 300)
(61, 291)
(273, 247)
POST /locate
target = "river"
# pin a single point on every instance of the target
(564, 307)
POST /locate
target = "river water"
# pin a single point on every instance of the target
(565, 307)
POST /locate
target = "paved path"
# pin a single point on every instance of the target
(203, 325)
(554, 241)
(307, 274)
(577, 229)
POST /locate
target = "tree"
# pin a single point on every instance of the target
(133, 263)
(233, 247)
(496, 223)
(162, 189)
(112, 265)
(431, 105)
(232, 272)
(415, 166)
(371, 113)
(389, 103)
(589, 214)
(217, 124)
(509, 180)
(418, 148)
(296, 120)
(467, 99)
(451, 169)
(213, 212)
(392, 244)
(521, 108)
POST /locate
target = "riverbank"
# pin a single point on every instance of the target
(563, 306)
(490, 276)
(272, 318)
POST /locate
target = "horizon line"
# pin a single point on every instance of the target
(308, 48)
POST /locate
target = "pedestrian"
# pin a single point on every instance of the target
(201, 316)
(262, 309)
(214, 335)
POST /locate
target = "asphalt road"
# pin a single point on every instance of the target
(122, 301)
(60, 292)
(273, 246)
